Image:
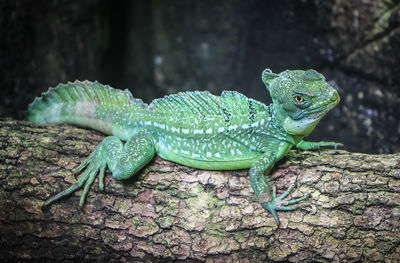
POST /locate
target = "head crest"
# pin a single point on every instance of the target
(268, 77)
(312, 75)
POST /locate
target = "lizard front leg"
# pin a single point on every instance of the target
(123, 161)
(262, 189)
(304, 145)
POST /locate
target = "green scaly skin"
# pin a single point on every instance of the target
(196, 129)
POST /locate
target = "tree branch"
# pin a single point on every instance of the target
(172, 212)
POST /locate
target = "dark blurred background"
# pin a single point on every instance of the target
(160, 47)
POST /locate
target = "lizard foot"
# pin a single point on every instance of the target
(95, 164)
(277, 203)
(122, 160)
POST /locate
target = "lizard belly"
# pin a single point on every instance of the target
(225, 159)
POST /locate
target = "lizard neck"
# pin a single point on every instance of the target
(280, 122)
(296, 128)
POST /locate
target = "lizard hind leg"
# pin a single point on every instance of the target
(123, 161)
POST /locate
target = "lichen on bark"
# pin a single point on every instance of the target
(172, 212)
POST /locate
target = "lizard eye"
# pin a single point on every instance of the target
(299, 99)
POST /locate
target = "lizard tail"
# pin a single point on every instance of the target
(85, 103)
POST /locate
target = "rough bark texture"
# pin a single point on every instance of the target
(169, 211)
(155, 47)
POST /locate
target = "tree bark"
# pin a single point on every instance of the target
(172, 212)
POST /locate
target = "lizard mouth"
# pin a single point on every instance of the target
(317, 111)
(308, 119)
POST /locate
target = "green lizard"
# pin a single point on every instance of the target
(196, 129)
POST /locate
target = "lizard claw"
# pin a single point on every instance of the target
(312, 210)
(337, 144)
(277, 203)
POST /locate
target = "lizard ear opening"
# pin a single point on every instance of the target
(267, 77)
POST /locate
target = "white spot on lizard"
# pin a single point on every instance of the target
(232, 127)
(195, 155)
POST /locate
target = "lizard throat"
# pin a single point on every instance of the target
(304, 126)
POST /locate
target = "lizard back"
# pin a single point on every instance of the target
(203, 103)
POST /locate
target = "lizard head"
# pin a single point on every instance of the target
(300, 99)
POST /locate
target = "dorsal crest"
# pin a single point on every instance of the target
(204, 103)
